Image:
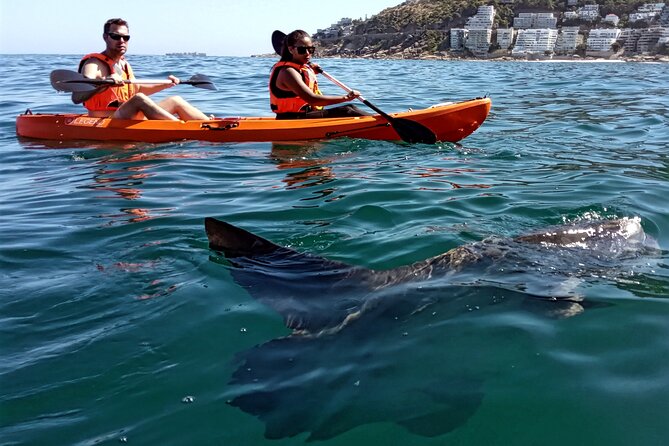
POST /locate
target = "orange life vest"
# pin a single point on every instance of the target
(282, 101)
(113, 95)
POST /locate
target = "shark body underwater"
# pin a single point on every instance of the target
(339, 367)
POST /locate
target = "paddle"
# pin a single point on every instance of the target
(71, 81)
(410, 131)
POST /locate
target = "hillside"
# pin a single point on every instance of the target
(417, 28)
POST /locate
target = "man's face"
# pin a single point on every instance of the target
(117, 39)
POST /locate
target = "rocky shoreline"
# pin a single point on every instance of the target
(636, 58)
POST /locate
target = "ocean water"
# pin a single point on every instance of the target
(118, 324)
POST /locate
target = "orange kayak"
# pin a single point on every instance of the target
(449, 122)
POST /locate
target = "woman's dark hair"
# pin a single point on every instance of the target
(117, 22)
(290, 40)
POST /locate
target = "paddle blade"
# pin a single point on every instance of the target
(413, 132)
(71, 81)
(277, 41)
(200, 81)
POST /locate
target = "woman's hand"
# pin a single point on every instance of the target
(353, 94)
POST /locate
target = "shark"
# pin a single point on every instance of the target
(327, 376)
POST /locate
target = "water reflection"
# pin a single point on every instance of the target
(125, 176)
(445, 175)
(302, 169)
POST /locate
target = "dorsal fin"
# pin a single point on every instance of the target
(236, 242)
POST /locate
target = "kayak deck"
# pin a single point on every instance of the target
(449, 122)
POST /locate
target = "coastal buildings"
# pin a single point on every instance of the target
(612, 19)
(479, 31)
(648, 12)
(526, 20)
(601, 40)
(535, 42)
(589, 13)
(537, 35)
(643, 41)
(505, 38)
(342, 28)
(483, 19)
(568, 40)
(458, 37)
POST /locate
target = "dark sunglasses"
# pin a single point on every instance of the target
(115, 36)
(304, 49)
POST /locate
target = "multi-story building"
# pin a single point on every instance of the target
(643, 40)
(664, 16)
(545, 20)
(612, 19)
(650, 38)
(483, 19)
(601, 39)
(630, 37)
(589, 13)
(570, 15)
(478, 41)
(568, 40)
(505, 37)
(647, 12)
(523, 21)
(479, 31)
(535, 42)
(530, 20)
(458, 38)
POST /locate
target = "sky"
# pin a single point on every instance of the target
(214, 27)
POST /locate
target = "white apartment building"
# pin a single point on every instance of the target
(601, 39)
(650, 37)
(530, 20)
(612, 18)
(568, 40)
(535, 41)
(523, 21)
(646, 16)
(505, 37)
(545, 20)
(570, 15)
(483, 19)
(664, 17)
(478, 41)
(589, 13)
(458, 38)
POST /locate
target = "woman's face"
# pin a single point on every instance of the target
(302, 50)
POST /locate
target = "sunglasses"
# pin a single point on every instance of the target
(115, 36)
(304, 49)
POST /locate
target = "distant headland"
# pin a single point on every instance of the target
(187, 54)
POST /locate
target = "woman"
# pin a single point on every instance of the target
(293, 88)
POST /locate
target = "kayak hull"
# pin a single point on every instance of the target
(449, 122)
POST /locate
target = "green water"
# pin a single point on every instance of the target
(113, 311)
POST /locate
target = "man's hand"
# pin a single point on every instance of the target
(175, 80)
(118, 80)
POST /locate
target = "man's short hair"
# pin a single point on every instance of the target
(117, 22)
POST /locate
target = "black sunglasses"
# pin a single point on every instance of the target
(304, 49)
(115, 36)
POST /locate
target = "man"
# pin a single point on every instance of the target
(128, 101)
